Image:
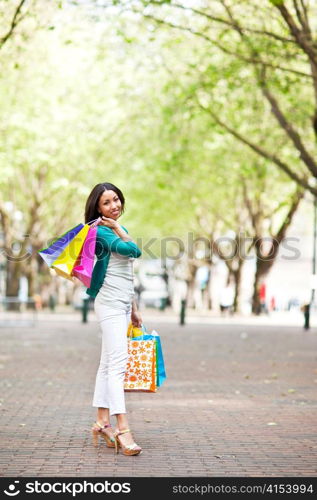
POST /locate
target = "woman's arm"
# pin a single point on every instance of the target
(136, 317)
(117, 240)
(122, 233)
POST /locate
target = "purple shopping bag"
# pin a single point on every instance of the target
(50, 254)
(84, 267)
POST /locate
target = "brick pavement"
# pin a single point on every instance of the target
(240, 400)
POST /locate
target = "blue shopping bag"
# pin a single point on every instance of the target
(160, 366)
(50, 254)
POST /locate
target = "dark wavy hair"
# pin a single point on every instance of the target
(91, 207)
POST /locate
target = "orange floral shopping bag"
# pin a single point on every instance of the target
(141, 366)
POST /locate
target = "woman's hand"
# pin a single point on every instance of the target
(136, 318)
(108, 222)
(118, 230)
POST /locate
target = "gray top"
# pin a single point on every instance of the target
(117, 289)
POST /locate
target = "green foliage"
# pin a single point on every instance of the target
(88, 97)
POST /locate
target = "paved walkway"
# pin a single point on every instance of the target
(240, 400)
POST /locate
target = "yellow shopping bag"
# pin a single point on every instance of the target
(67, 260)
(133, 331)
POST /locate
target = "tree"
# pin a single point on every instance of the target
(269, 46)
(61, 133)
(218, 187)
(140, 118)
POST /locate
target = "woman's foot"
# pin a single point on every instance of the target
(105, 430)
(125, 441)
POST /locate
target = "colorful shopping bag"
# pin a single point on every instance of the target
(140, 375)
(51, 253)
(66, 252)
(136, 333)
(67, 260)
(160, 365)
(83, 270)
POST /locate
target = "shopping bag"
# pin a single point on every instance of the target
(66, 252)
(142, 334)
(83, 270)
(67, 260)
(160, 365)
(134, 331)
(140, 375)
(50, 254)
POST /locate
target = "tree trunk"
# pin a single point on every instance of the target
(13, 283)
(237, 274)
(30, 273)
(262, 270)
(207, 297)
(265, 262)
(190, 293)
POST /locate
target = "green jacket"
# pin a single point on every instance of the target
(107, 241)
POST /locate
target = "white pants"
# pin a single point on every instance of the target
(109, 390)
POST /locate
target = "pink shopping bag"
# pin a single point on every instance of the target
(84, 266)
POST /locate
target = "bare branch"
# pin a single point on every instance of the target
(298, 34)
(234, 22)
(280, 235)
(253, 216)
(290, 130)
(304, 40)
(14, 22)
(302, 181)
(250, 60)
(225, 21)
(301, 18)
(236, 25)
(305, 13)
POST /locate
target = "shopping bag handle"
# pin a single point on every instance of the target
(142, 328)
(94, 222)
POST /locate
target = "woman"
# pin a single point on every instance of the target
(112, 287)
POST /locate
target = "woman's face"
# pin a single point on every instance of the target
(109, 204)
